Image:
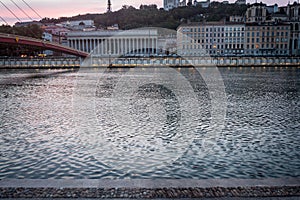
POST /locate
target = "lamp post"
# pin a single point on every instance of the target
(109, 64)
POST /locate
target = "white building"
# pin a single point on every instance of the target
(170, 4)
(78, 23)
(115, 43)
(240, 2)
(47, 37)
(203, 4)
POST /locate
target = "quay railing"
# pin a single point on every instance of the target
(65, 62)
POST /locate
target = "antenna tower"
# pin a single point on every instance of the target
(108, 6)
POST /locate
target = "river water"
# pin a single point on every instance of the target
(150, 123)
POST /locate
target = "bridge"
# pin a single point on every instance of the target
(21, 40)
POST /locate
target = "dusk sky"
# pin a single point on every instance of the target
(60, 8)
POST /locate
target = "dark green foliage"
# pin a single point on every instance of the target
(31, 31)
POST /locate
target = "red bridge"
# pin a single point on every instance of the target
(21, 40)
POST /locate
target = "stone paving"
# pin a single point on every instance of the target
(150, 189)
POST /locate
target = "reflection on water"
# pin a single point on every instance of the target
(40, 138)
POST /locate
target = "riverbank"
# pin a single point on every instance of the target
(150, 62)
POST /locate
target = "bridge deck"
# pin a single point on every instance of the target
(21, 40)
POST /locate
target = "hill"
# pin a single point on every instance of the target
(129, 17)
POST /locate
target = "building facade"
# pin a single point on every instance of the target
(257, 12)
(234, 39)
(170, 4)
(267, 39)
(213, 38)
(293, 13)
(104, 43)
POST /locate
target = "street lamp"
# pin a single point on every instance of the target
(109, 63)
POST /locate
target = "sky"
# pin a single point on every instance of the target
(67, 8)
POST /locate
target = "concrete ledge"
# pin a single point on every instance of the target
(147, 183)
(150, 189)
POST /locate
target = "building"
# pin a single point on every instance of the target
(236, 18)
(199, 39)
(257, 12)
(25, 24)
(234, 39)
(78, 25)
(293, 14)
(182, 3)
(59, 34)
(272, 8)
(170, 4)
(267, 39)
(203, 4)
(295, 38)
(115, 43)
(213, 38)
(47, 37)
(240, 2)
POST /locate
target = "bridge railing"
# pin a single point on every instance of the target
(19, 37)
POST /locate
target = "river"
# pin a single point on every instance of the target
(150, 123)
